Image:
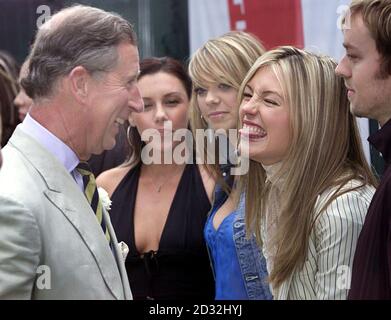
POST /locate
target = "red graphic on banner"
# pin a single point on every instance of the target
(275, 22)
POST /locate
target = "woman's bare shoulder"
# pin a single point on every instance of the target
(110, 179)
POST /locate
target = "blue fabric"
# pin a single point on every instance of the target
(239, 266)
(229, 281)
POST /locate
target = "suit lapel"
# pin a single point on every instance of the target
(64, 193)
(81, 216)
(118, 256)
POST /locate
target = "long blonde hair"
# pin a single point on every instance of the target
(326, 151)
(225, 59)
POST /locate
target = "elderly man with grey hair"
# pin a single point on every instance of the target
(56, 238)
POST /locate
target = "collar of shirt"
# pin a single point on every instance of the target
(54, 145)
(271, 173)
(381, 140)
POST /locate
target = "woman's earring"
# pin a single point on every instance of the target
(128, 134)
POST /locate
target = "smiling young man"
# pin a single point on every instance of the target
(366, 68)
(82, 78)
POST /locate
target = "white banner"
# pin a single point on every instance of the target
(312, 24)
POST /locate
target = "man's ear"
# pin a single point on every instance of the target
(80, 82)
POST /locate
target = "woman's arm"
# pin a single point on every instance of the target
(336, 232)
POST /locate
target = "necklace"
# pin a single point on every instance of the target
(158, 187)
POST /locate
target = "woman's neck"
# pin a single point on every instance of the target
(161, 170)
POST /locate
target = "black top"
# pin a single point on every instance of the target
(180, 269)
(372, 261)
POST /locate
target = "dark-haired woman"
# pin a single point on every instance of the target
(159, 207)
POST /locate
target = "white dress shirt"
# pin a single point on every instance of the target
(64, 154)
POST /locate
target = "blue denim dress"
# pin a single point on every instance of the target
(238, 264)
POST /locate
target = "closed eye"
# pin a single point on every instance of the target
(247, 94)
(172, 102)
(148, 104)
(272, 102)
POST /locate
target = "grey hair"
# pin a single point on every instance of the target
(75, 36)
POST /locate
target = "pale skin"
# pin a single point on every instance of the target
(217, 103)
(263, 110)
(85, 111)
(165, 99)
(368, 92)
(265, 114)
(265, 117)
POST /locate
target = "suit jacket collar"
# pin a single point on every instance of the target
(64, 193)
(50, 142)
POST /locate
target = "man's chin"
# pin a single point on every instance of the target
(109, 146)
(356, 111)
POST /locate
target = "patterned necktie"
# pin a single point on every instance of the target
(92, 195)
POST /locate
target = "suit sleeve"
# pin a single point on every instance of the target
(337, 232)
(19, 250)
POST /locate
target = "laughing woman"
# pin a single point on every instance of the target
(309, 186)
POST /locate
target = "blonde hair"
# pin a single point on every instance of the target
(225, 59)
(325, 151)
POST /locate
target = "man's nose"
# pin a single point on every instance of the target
(136, 103)
(343, 69)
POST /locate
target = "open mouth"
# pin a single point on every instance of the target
(252, 131)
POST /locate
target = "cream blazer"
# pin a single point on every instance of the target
(51, 244)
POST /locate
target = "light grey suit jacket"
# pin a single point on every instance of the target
(51, 244)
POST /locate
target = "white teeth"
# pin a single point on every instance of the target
(120, 121)
(256, 130)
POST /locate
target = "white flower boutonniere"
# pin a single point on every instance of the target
(104, 197)
(123, 247)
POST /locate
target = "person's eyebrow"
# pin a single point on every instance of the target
(349, 46)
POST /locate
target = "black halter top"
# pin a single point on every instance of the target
(180, 269)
